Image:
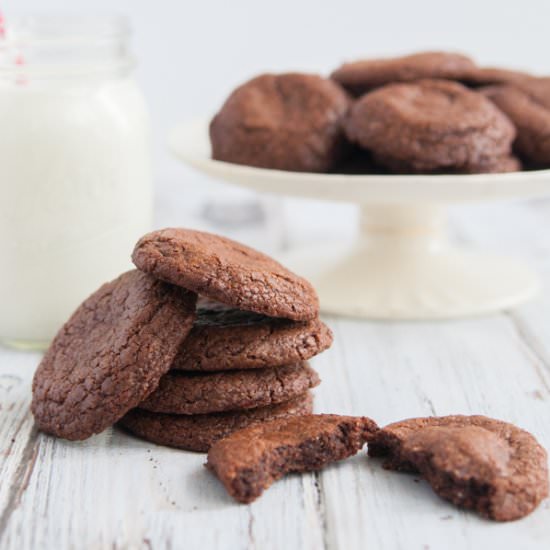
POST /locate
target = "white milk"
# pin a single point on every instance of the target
(75, 194)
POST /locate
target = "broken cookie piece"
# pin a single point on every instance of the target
(478, 463)
(248, 461)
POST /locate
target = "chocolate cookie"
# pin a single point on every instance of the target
(110, 355)
(531, 118)
(476, 462)
(484, 76)
(287, 122)
(248, 461)
(484, 165)
(199, 393)
(493, 165)
(225, 338)
(226, 271)
(430, 125)
(198, 432)
(537, 88)
(361, 76)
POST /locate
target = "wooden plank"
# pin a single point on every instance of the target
(417, 369)
(18, 438)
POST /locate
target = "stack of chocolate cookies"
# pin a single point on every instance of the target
(235, 368)
(206, 337)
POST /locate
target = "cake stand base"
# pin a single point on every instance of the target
(403, 267)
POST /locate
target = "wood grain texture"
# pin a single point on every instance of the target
(115, 491)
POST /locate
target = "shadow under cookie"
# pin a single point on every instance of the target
(225, 338)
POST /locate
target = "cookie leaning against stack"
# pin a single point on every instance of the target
(194, 374)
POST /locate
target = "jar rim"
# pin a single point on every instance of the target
(65, 45)
(66, 28)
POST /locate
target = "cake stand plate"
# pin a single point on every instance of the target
(402, 265)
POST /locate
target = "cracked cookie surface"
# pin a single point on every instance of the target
(476, 462)
(429, 125)
(226, 271)
(248, 461)
(198, 432)
(286, 121)
(110, 354)
(224, 338)
(198, 393)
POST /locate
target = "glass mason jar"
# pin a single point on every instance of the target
(75, 178)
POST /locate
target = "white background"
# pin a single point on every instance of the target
(192, 53)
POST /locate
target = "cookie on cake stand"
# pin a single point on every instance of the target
(402, 265)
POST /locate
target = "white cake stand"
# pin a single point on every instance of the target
(402, 265)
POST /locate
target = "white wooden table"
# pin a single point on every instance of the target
(115, 491)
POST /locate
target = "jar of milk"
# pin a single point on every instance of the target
(75, 180)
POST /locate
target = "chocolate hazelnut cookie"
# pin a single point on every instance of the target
(531, 118)
(197, 432)
(287, 122)
(361, 76)
(476, 462)
(110, 355)
(201, 393)
(226, 271)
(430, 125)
(225, 338)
